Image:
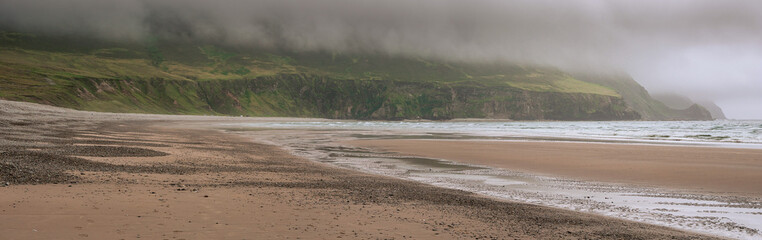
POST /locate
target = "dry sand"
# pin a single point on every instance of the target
(81, 175)
(706, 169)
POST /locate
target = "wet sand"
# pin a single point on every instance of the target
(76, 175)
(723, 171)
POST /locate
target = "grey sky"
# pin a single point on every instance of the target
(704, 49)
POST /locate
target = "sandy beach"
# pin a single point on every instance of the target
(724, 171)
(80, 175)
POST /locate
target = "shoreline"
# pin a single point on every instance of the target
(694, 168)
(76, 174)
(721, 215)
(700, 136)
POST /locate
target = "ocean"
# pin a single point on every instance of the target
(729, 133)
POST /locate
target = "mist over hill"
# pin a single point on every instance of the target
(170, 76)
(677, 101)
(675, 46)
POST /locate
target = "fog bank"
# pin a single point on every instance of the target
(704, 49)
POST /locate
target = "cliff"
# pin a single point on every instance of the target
(198, 78)
(315, 96)
(676, 101)
(638, 98)
(715, 110)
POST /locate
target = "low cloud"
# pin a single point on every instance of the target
(704, 49)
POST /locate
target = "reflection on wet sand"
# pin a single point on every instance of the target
(729, 216)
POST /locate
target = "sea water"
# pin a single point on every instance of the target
(732, 133)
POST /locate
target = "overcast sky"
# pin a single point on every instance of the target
(703, 49)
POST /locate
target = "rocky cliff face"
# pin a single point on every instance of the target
(642, 102)
(695, 111)
(683, 103)
(180, 77)
(315, 96)
(715, 110)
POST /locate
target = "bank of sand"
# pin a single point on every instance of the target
(81, 175)
(725, 171)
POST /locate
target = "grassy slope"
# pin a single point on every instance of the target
(46, 69)
(65, 57)
(641, 101)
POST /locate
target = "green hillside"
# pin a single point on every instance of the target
(183, 77)
(641, 101)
